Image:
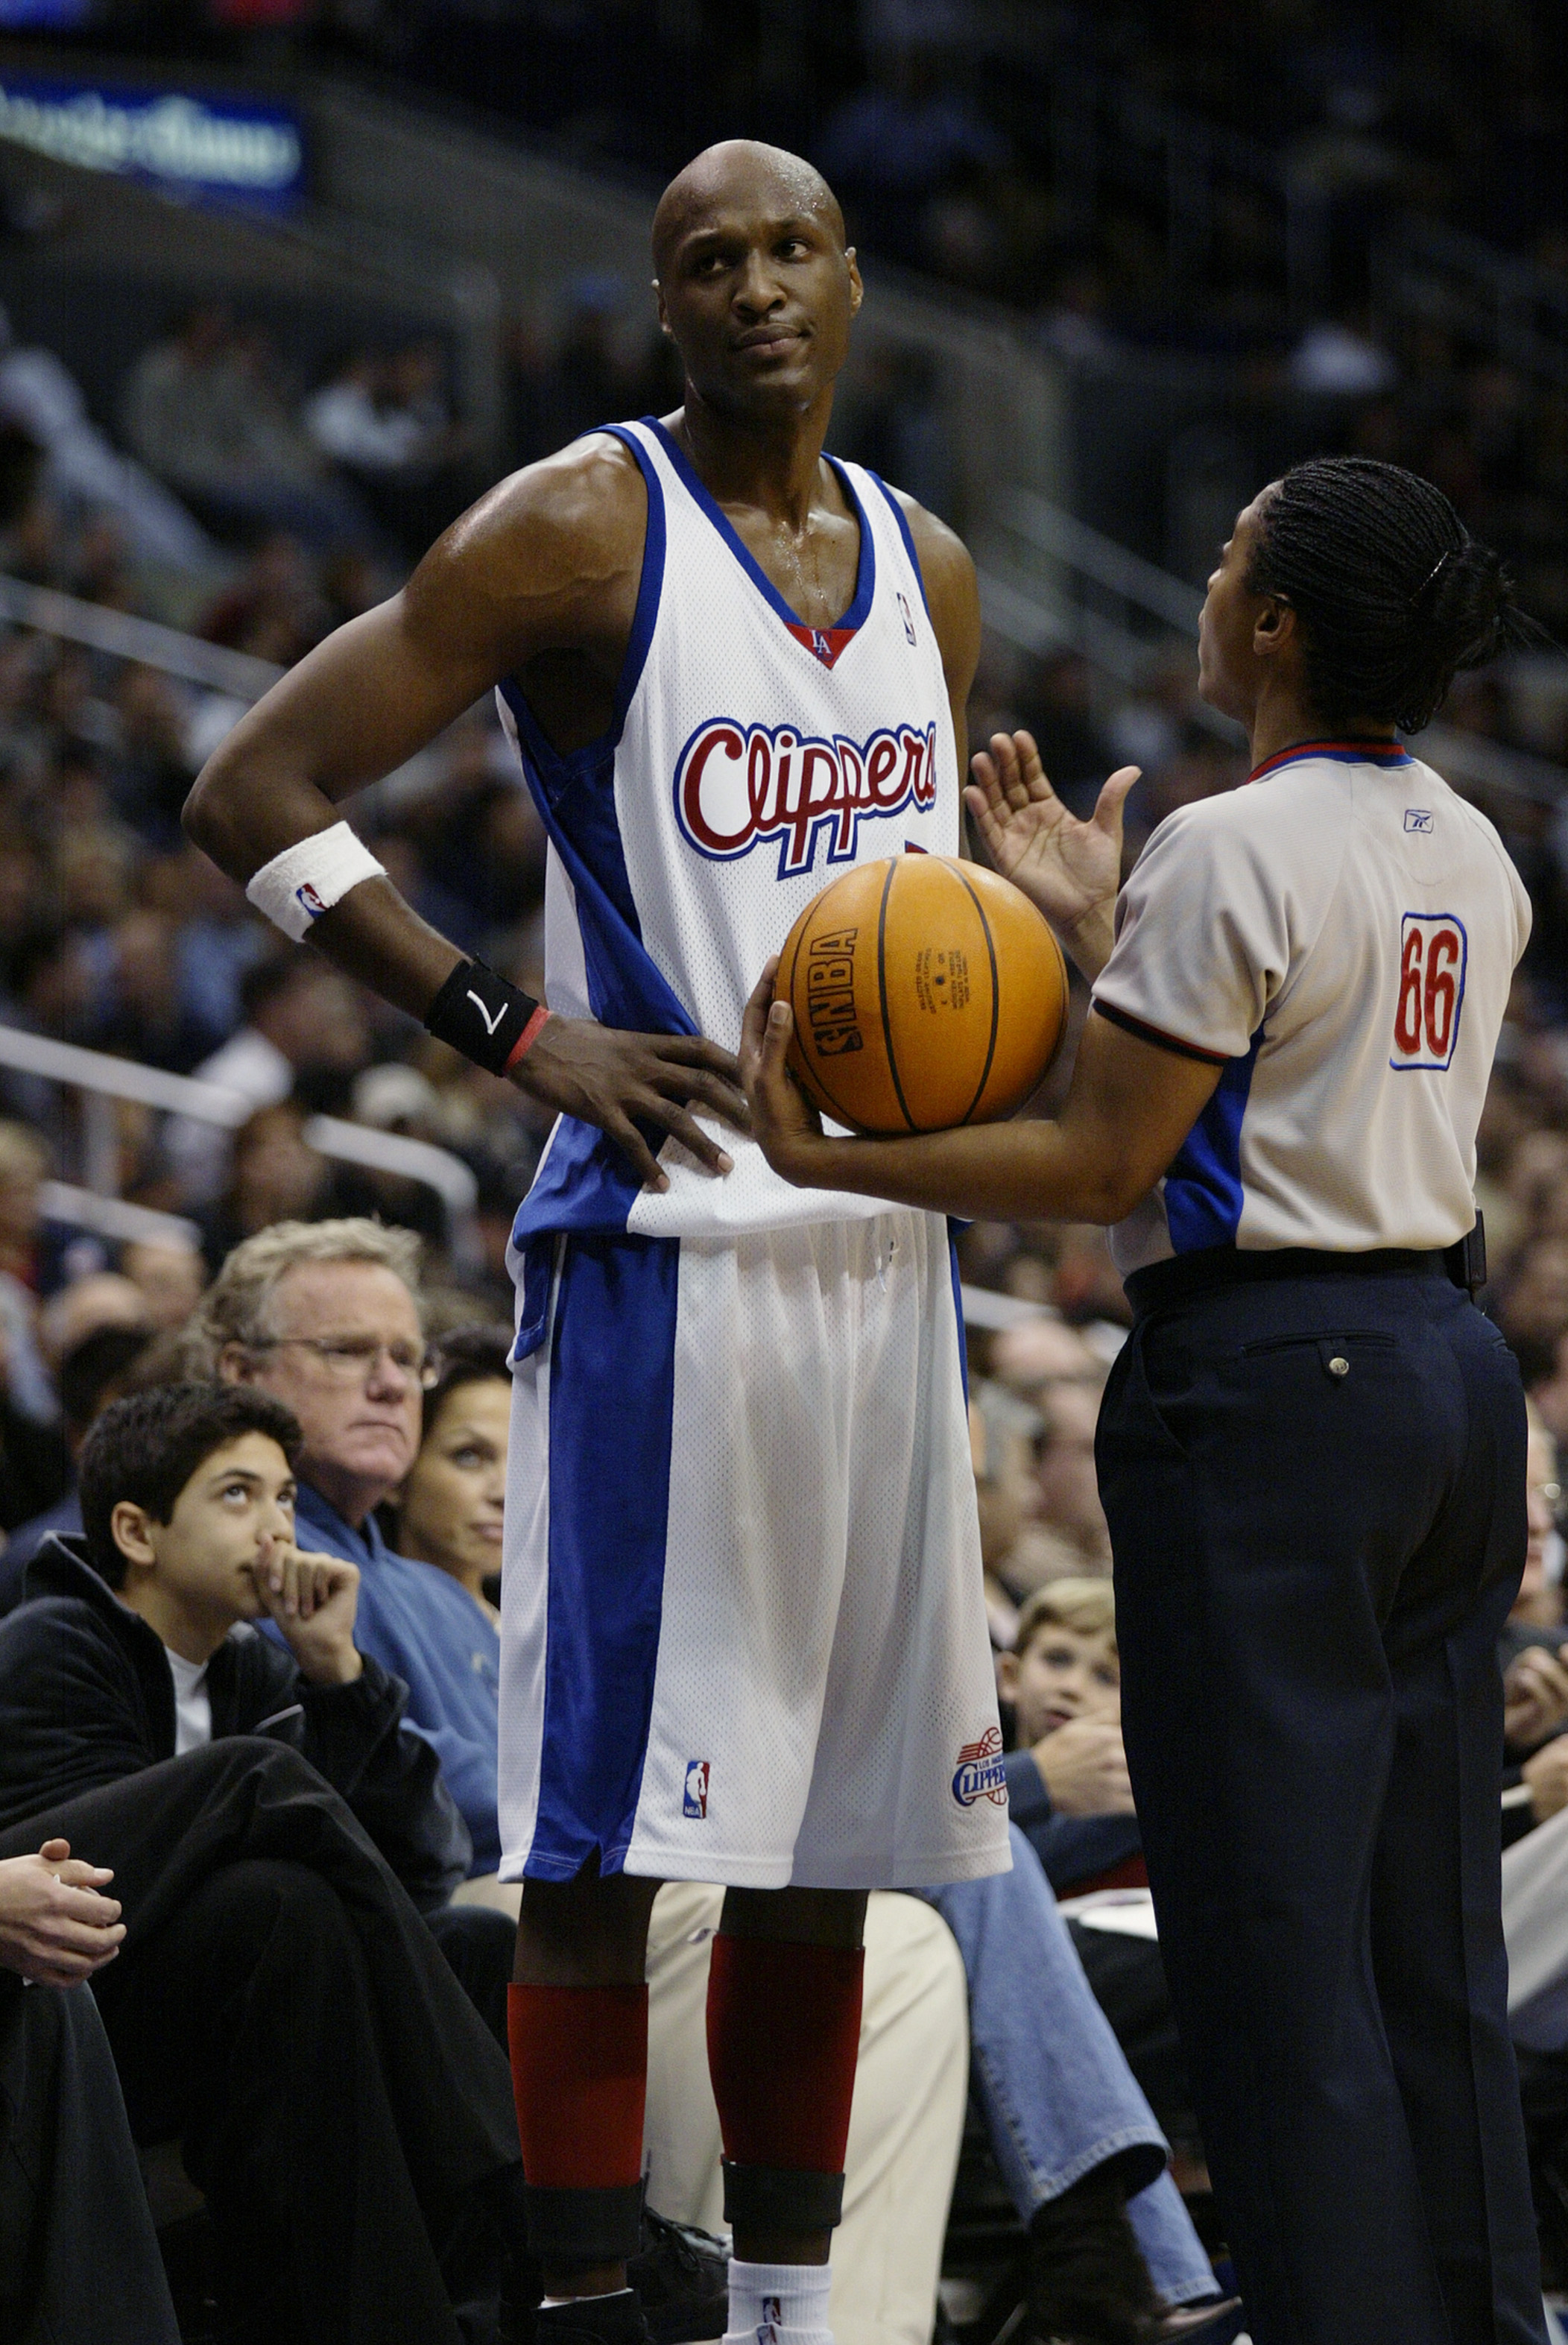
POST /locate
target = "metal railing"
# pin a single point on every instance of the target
(1513, 309)
(102, 1080)
(1105, 131)
(72, 621)
(1047, 581)
(114, 1217)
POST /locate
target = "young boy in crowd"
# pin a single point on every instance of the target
(1067, 1775)
(1066, 1781)
(187, 1511)
(277, 2002)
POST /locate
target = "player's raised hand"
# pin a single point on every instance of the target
(620, 1080)
(785, 1124)
(1071, 870)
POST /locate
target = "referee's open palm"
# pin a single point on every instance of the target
(1071, 869)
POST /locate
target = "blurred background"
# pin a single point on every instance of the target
(287, 282)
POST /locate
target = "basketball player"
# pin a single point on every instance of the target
(744, 1633)
(1311, 1448)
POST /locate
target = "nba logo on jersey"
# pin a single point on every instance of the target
(908, 621)
(1433, 950)
(695, 1802)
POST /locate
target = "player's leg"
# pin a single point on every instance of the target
(588, 1469)
(578, 2025)
(906, 1696)
(910, 2093)
(784, 2030)
(1437, 1933)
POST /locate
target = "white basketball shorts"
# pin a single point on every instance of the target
(744, 1633)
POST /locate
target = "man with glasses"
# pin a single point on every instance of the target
(325, 1316)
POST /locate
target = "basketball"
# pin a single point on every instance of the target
(926, 991)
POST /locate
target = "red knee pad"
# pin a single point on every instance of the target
(580, 2078)
(784, 2030)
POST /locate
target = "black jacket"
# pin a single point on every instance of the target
(86, 1698)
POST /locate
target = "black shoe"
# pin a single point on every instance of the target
(682, 2277)
(1087, 2283)
(593, 2321)
(1214, 2322)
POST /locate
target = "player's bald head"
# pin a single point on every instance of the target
(742, 175)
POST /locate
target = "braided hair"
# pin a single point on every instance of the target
(1393, 594)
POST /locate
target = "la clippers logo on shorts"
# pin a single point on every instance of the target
(981, 1775)
(695, 1802)
(737, 784)
(310, 899)
(1433, 951)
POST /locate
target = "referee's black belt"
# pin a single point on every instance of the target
(1163, 1284)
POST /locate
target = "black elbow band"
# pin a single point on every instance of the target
(490, 1022)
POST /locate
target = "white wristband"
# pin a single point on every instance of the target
(308, 877)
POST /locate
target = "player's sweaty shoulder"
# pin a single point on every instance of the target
(549, 560)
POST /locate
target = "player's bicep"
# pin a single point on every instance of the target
(1131, 1105)
(361, 702)
(548, 561)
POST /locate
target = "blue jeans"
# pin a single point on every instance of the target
(1058, 2097)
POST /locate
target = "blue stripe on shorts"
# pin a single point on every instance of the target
(611, 1399)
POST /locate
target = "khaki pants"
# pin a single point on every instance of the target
(910, 2087)
(1535, 1932)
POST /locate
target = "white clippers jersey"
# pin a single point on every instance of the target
(751, 759)
(1339, 935)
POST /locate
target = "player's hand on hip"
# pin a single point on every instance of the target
(784, 1125)
(620, 1080)
(1071, 870)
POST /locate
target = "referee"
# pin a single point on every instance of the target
(1311, 1449)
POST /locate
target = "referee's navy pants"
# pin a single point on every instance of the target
(1315, 1486)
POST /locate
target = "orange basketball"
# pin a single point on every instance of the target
(925, 992)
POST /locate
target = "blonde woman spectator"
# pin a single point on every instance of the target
(448, 1511)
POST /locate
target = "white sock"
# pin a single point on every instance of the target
(778, 2304)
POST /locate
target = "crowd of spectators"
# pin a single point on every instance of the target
(114, 933)
(118, 935)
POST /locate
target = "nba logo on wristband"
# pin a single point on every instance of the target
(695, 1802)
(311, 902)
